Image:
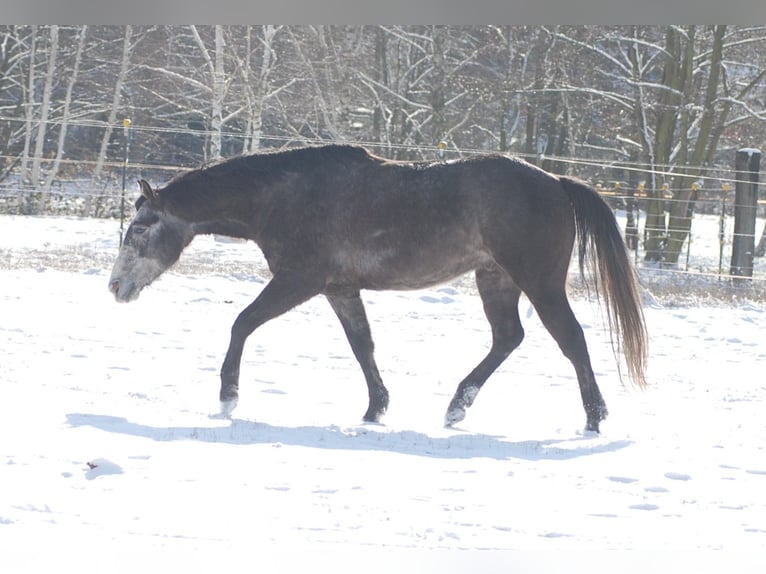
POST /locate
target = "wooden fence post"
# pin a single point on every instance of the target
(747, 168)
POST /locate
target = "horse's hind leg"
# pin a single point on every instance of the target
(557, 316)
(500, 297)
(350, 311)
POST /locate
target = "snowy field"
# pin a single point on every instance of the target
(110, 462)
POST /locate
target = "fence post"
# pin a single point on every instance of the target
(637, 208)
(690, 216)
(747, 167)
(126, 134)
(722, 227)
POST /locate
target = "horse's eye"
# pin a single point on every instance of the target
(139, 229)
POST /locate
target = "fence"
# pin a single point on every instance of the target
(706, 208)
(712, 220)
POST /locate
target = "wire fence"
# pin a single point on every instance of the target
(706, 207)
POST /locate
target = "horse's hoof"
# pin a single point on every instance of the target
(227, 407)
(592, 427)
(454, 416)
(373, 417)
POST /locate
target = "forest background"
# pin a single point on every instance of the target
(654, 115)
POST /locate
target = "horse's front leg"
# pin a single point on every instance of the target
(283, 292)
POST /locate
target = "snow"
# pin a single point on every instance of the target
(110, 459)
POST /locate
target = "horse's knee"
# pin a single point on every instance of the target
(517, 337)
(566, 331)
(241, 328)
(505, 341)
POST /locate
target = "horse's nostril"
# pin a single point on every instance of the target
(114, 287)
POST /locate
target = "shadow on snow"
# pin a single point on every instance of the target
(362, 437)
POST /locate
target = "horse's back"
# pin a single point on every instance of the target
(396, 225)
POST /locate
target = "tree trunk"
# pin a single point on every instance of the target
(112, 118)
(257, 89)
(668, 104)
(437, 97)
(217, 71)
(682, 209)
(508, 104)
(24, 187)
(65, 116)
(380, 75)
(538, 53)
(219, 92)
(45, 109)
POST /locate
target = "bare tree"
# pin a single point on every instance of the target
(216, 70)
(670, 81)
(257, 67)
(45, 106)
(421, 88)
(29, 114)
(603, 101)
(66, 113)
(697, 112)
(12, 88)
(114, 109)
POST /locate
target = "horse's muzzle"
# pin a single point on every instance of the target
(123, 292)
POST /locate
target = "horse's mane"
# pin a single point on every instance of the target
(278, 160)
(263, 166)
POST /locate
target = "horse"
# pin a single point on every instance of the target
(336, 220)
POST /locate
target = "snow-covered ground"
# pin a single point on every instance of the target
(109, 459)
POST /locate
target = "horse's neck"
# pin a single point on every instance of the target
(223, 226)
(208, 215)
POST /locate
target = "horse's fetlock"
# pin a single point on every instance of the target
(469, 395)
(592, 426)
(228, 406)
(373, 415)
(603, 412)
(229, 392)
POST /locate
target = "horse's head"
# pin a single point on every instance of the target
(153, 242)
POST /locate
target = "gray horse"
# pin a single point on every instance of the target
(335, 219)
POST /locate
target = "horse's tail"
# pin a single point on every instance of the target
(600, 242)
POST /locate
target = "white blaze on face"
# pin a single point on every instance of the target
(151, 246)
(132, 273)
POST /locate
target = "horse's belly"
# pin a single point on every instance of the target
(414, 268)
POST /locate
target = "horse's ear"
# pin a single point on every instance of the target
(146, 189)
